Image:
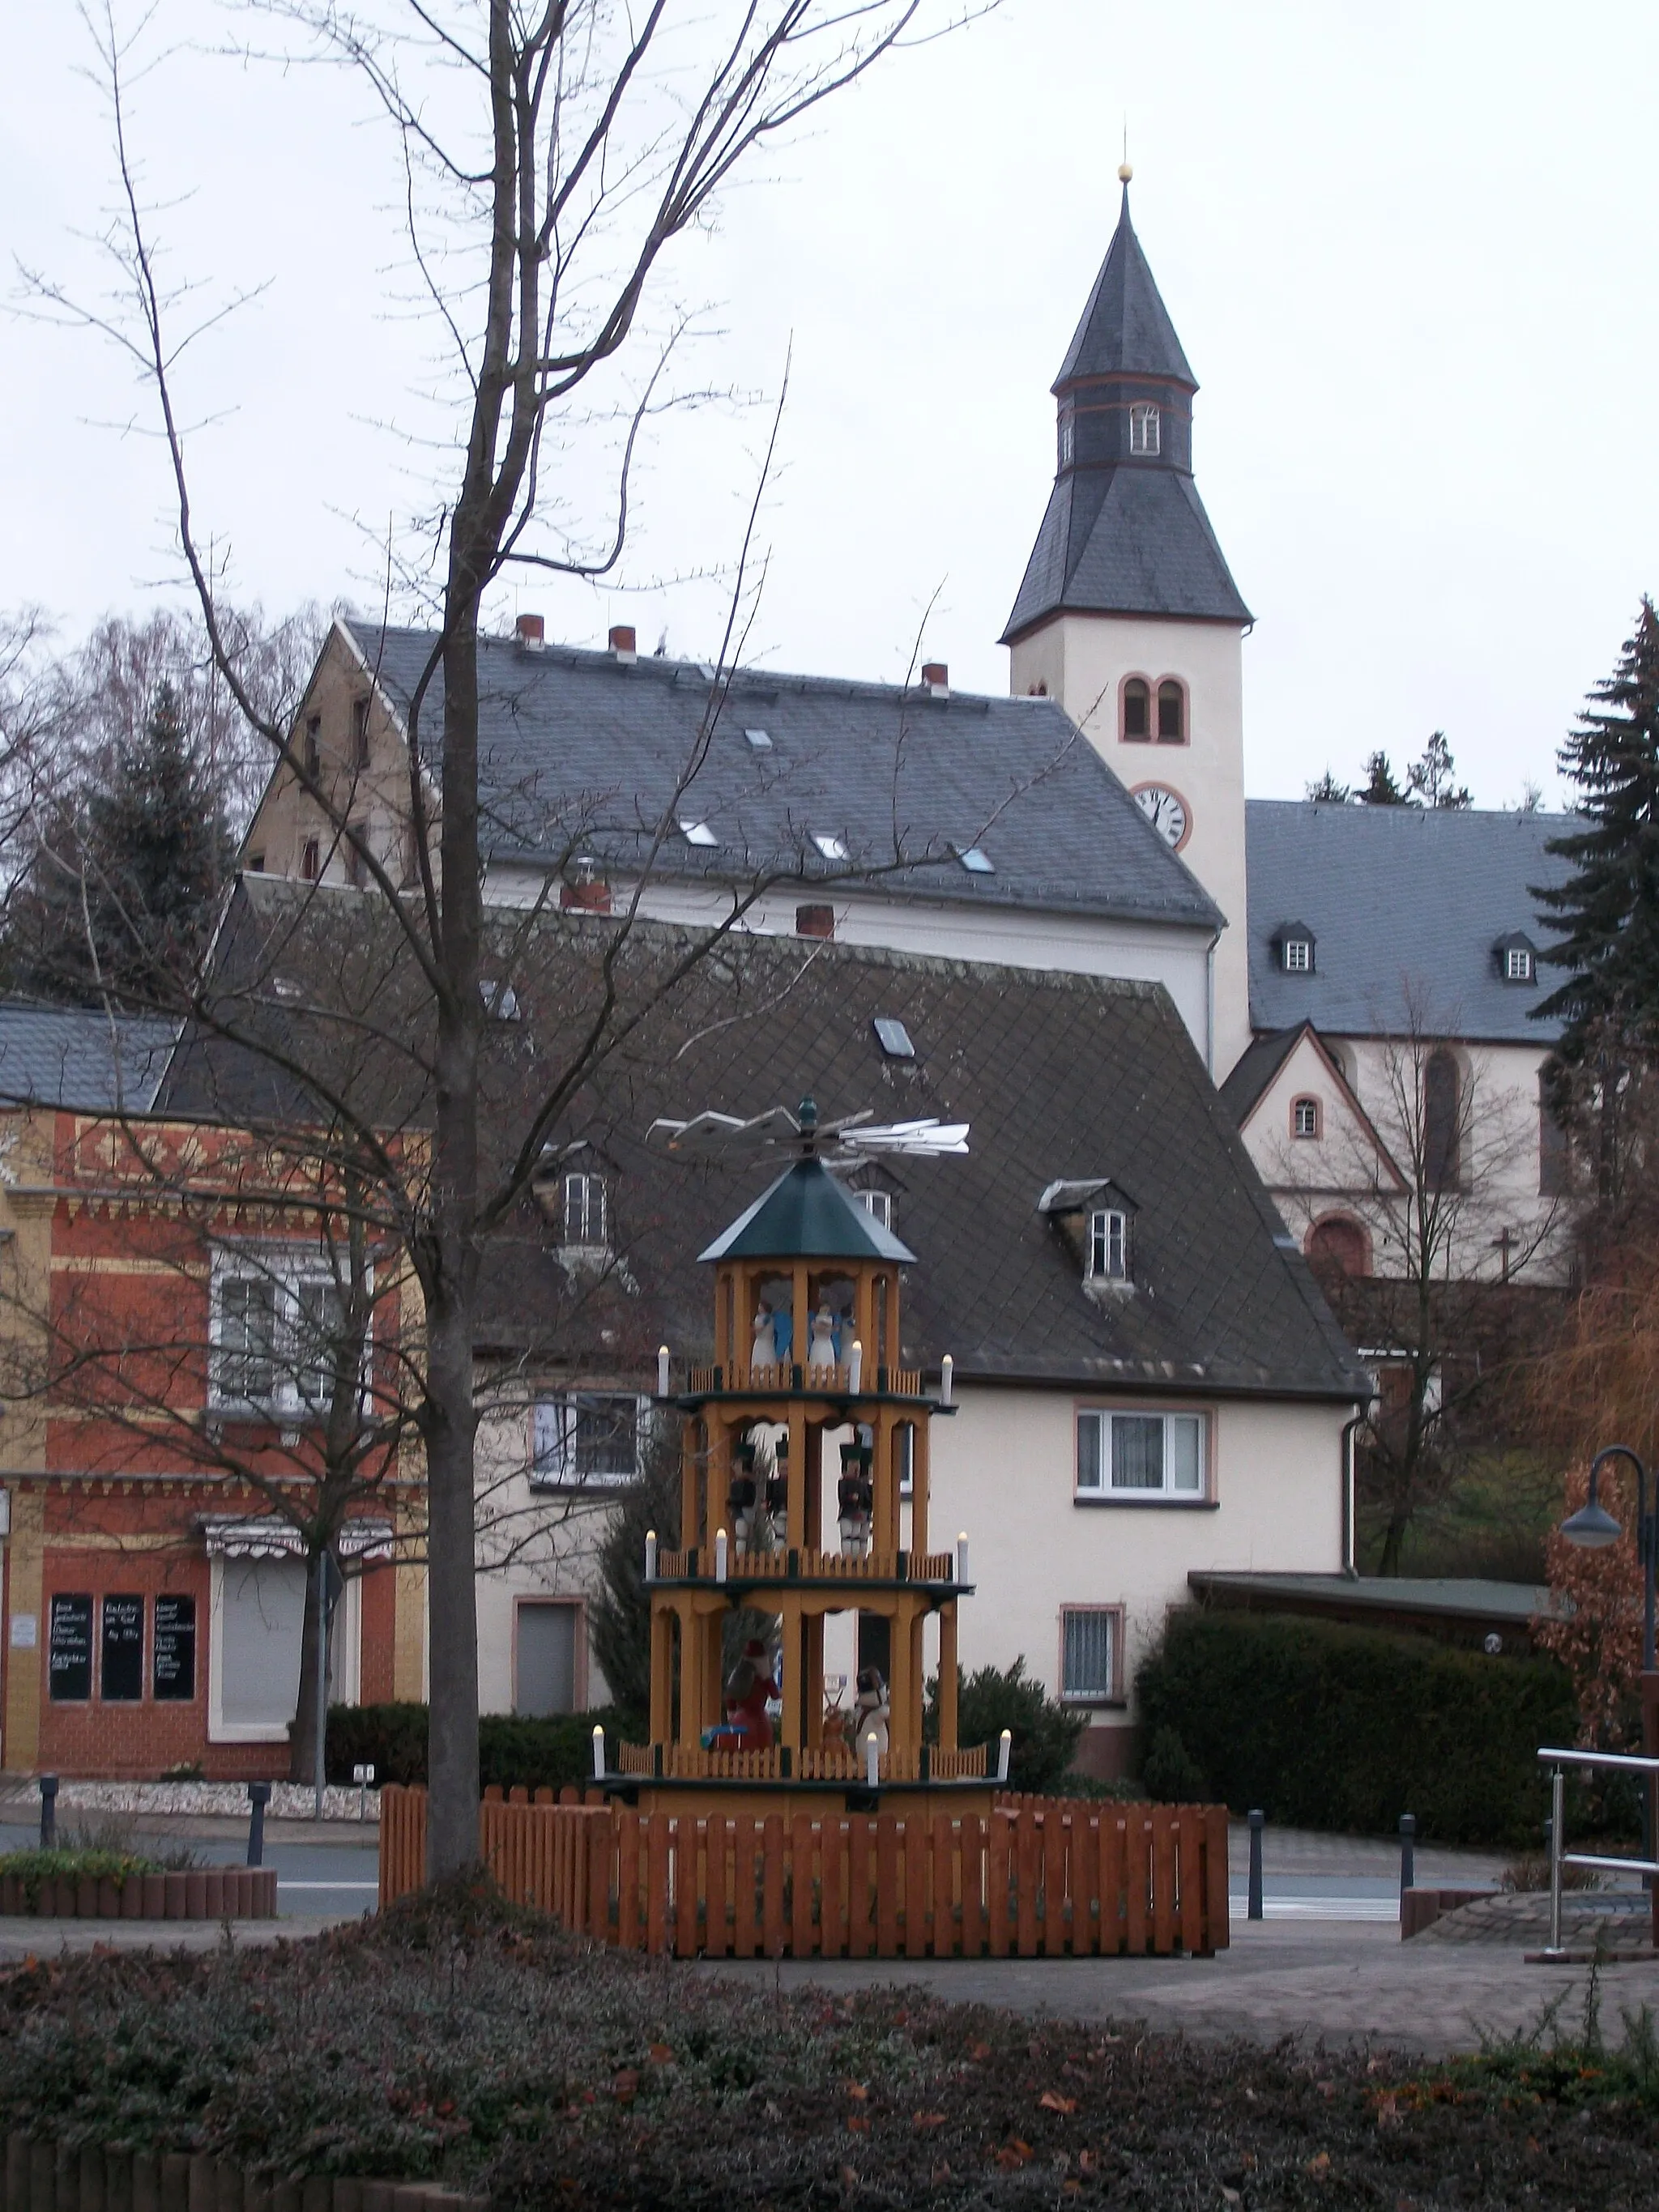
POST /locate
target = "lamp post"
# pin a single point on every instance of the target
(1592, 1528)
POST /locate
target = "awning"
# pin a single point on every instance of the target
(267, 1536)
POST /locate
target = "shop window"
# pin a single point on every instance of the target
(545, 1669)
(261, 1620)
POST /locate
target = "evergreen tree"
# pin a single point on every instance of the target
(1432, 780)
(125, 877)
(1329, 790)
(1379, 789)
(1606, 912)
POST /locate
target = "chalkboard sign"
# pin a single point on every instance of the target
(68, 1666)
(123, 1675)
(173, 1672)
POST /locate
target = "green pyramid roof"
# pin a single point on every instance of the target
(806, 1215)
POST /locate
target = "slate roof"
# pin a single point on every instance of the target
(1130, 540)
(1060, 1076)
(74, 1056)
(578, 748)
(1125, 325)
(1254, 1069)
(1402, 901)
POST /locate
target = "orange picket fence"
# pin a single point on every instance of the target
(1041, 1877)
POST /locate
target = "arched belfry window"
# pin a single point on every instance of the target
(1171, 713)
(1144, 437)
(1137, 710)
(1441, 1100)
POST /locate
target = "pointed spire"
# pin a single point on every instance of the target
(1126, 328)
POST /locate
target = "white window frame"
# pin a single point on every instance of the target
(1146, 430)
(290, 1271)
(831, 847)
(878, 1204)
(1296, 957)
(1068, 438)
(1108, 1245)
(1517, 964)
(586, 1182)
(554, 1419)
(1305, 1110)
(1113, 1694)
(1102, 1422)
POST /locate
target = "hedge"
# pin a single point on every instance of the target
(513, 1750)
(1326, 1726)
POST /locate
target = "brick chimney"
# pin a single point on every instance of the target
(585, 891)
(624, 643)
(531, 631)
(815, 921)
(936, 674)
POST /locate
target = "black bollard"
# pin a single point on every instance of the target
(1252, 1911)
(1407, 1852)
(48, 1812)
(259, 1796)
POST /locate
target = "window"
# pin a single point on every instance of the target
(1337, 1248)
(121, 1675)
(69, 1650)
(324, 1351)
(1304, 1117)
(1141, 1455)
(584, 1209)
(1067, 440)
(1171, 713)
(260, 1621)
(893, 1037)
(1137, 711)
(698, 833)
(247, 1338)
(831, 848)
(584, 1439)
(1108, 1246)
(1554, 1149)
(1298, 956)
(356, 866)
(760, 740)
(544, 1660)
(1517, 964)
(360, 734)
(255, 863)
(1144, 438)
(314, 746)
(1088, 1654)
(1442, 1119)
(879, 1204)
(977, 862)
(310, 862)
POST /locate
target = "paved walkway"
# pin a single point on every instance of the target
(50, 1939)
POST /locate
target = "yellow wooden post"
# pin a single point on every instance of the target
(898, 1687)
(917, 1671)
(662, 1672)
(813, 1686)
(790, 1637)
(947, 1676)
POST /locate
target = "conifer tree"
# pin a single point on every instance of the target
(1379, 789)
(1432, 780)
(1607, 910)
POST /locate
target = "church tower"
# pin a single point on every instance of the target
(1127, 614)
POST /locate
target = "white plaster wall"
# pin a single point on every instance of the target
(1077, 944)
(1003, 1472)
(1081, 660)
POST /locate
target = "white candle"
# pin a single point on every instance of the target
(651, 1555)
(962, 1556)
(719, 1555)
(1003, 1750)
(872, 1771)
(855, 1368)
(662, 1371)
(947, 1368)
(598, 1753)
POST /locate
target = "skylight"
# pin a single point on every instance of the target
(977, 862)
(832, 848)
(893, 1037)
(698, 833)
(760, 739)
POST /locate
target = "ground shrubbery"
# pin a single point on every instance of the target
(512, 1750)
(457, 2038)
(1045, 1734)
(1325, 1726)
(72, 1863)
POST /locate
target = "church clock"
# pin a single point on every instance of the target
(1167, 810)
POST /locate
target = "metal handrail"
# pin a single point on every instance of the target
(1625, 1762)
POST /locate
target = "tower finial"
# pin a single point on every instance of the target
(1124, 171)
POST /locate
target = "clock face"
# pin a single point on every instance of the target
(1166, 810)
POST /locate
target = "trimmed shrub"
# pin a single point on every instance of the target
(1172, 1774)
(1326, 1726)
(513, 1751)
(992, 1699)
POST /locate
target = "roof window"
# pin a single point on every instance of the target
(893, 1037)
(500, 1000)
(698, 833)
(831, 848)
(1516, 958)
(1293, 942)
(975, 861)
(760, 740)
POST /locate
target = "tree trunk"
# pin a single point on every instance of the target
(302, 1734)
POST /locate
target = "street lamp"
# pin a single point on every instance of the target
(1593, 1528)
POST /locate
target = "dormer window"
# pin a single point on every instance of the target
(1293, 944)
(584, 1210)
(1517, 960)
(1144, 429)
(1108, 1246)
(878, 1204)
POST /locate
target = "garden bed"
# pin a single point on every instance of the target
(103, 1885)
(460, 2043)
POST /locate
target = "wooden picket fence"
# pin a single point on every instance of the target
(1042, 1877)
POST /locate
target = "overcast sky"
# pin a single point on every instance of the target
(1406, 248)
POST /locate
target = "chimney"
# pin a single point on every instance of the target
(586, 891)
(936, 674)
(623, 644)
(531, 630)
(815, 921)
